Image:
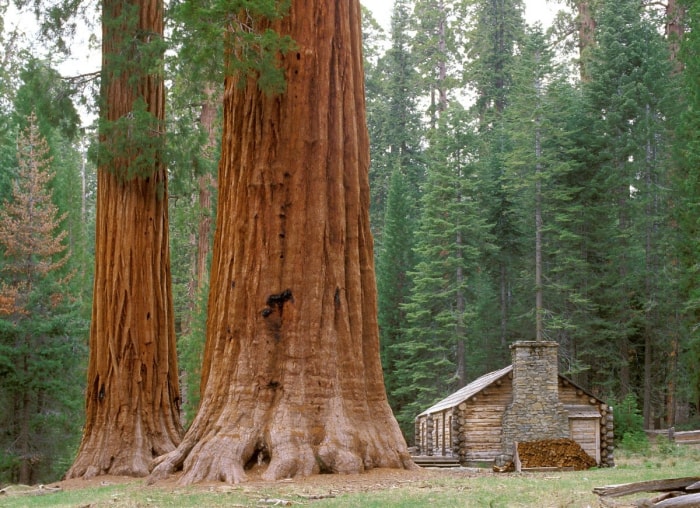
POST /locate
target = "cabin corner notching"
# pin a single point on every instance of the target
(526, 401)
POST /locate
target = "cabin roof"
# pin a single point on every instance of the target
(468, 391)
(476, 386)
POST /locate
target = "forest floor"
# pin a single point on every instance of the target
(379, 488)
(319, 485)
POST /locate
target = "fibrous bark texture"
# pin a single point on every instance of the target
(132, 396)
(292, 377)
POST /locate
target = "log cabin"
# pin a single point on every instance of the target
(525, 401)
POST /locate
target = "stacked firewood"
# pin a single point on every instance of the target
(559, 453)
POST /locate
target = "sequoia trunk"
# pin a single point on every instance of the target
(132, 397)
(292, 378)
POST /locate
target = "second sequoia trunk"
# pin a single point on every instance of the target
(292, 377)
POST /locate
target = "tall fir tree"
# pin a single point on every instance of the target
(627, 114)
(395, 120)
(452, 238)
(686, 210)
(396, 179)
(394, 263)
(534, 130)
(41, 348)
(438, 50)
(492, 46)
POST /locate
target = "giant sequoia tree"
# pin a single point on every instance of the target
(291, 375)
(132, 397)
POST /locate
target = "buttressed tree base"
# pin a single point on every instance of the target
(292, 377)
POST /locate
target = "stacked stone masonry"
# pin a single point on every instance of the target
(484, 426)
(536, 413)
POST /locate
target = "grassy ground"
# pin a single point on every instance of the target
(383, 489)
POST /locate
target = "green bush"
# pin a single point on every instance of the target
(634, 442)
(8, 465)
(665, 446)
(628, 418)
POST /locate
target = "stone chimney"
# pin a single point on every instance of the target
(535, 413)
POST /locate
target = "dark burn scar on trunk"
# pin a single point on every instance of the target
(276, 302)
(279, 299)
(273, 312)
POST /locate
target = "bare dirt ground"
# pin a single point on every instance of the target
(373, 480)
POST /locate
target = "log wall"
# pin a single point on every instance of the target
(571, 395)
(480, 423)
(472, 430)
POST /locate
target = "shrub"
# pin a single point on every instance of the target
(628, 417)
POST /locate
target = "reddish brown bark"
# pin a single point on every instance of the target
(206, 184)
(132, 394)
(201, 239)
(675, 26)
(292, 376)
(586, 34)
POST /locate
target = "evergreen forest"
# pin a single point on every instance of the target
(528, 182)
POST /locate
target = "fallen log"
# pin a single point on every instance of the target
(686, 501)
(647, 486)
(694, 487)
(26, 490)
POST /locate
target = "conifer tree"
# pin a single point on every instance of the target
(452, 238)
(394, 263)
(529, 164)
(397, 173)
(686, 210)
(291, 374)
(40, 343)
(549, 187)
(491, 49)
(438, 49)
(395, 118)
(132, 397)
(627, 111)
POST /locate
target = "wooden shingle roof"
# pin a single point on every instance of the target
(468, 391)
(479, 384)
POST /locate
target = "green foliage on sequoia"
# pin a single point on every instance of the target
(209, 35)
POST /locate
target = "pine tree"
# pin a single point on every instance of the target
(395, 119)
(491, 48)
(627, 111)
(396, 179)
(532, 125)
(438, 51)
(452, 238)
(686, 210)
(394, 263)
(40, 344)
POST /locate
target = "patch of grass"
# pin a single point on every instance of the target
(444, 489)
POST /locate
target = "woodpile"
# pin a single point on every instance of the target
(559, 453)
(674, 492)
